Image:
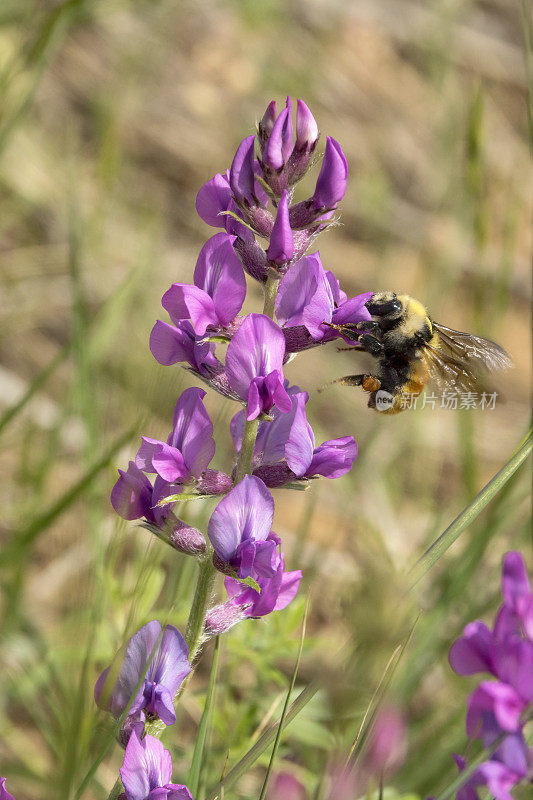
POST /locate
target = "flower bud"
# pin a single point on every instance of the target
(266, 124)
(242, 176)
(306, 128)
(281, 247)
(253, 259)
(223, 617)
(213, 481)
(333, 177)
(280, 144)
(187, 539)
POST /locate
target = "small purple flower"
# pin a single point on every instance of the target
(285, 447)
(516, 591)
(281, 247)
(244, 602)
(309, 297)
(254, 365)
(240, 530)
(190, 446)
(174, 344)
(287, 787)
(218, 292)
(215, 199)
(165, 666)
(131, 496)
(4, 794)
(147, 770)
(387, 743)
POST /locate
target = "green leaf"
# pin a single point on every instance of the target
(469, 514)
(199, 747)
(286, 705)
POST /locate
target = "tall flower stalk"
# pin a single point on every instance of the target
(274, 444)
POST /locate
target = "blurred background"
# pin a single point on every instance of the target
(112, 115)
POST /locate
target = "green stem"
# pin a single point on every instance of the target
(244, 465)
(271, 290)
(195, 625)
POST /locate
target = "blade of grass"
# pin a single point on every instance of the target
(469, 514)
(27, 535)
(197, 758)
(34, 387)
(286, 705)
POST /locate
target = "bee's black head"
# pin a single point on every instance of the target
(383, 304)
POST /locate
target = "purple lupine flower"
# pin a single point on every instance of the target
(147, 770)
(281, 247)
(214, 200)
(4, 794)
(254, 365)
(310, 302)
(218, 292)
(164, 665)
(174, 344)
(245, 602)
(285, 447)
(190, 446)
(240, 530)
(134, 497)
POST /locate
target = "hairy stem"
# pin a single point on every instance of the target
(244, 465)
(195, 625)
(271, 289)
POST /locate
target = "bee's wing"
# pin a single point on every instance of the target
(475, 352)
(449, 373)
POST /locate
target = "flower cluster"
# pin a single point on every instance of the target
(274, 444)
(498, 709)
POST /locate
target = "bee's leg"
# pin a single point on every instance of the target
(369, 327)
(371, 344)
(345, 349)
(369, 383)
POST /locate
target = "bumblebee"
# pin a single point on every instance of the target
(411, 350)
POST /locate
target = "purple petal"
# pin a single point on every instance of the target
(255, 350)
(193, 432)
(353, 310)
(498, 779)
(281, 247)
(514, 665)
(4, 794)
(167, 461)
(163, 705)
(242, 175)
(183, 301)
(333, 177)
(306, 127)
(305, 297)
(300, 442)
(170, 665)
(288, 589)
(338, 295)
(277, 146)
(126, 670)
(219, 272)
(474, 651)
(495, 698)
(178, 792)
(334, 458)
(131, 496)
(171, 344)
(515, 581)
(147, 765)
(213, 198)
(245, 513)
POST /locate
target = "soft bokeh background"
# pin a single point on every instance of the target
(112, 115)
